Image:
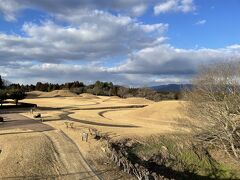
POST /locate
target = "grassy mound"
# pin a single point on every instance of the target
(136, 100)
(59, 93)
(88, 96)
(35, 94)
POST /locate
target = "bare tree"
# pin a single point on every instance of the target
(214, 101)
(123, 92)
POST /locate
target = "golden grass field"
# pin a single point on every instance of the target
(135, 118)
(112, 115)
(52, 154)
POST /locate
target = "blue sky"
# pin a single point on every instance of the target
(134, 42)
(222, 27)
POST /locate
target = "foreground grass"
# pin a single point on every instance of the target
(178, 155)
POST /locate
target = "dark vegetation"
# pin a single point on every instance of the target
(172, 87)
(101, 88)
(10, 92)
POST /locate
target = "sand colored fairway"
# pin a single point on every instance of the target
(28, 150)
(159, 112)
(134, 100)
(88, 96)
(165, 114)
(59, 152)
(114, 115)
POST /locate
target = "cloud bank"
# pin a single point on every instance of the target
(93, 40)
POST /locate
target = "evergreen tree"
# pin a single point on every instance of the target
(3, 96)
(16, 95)
(1, 82)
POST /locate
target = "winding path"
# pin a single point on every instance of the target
(66, 116)
(17, 121)
(68, 152)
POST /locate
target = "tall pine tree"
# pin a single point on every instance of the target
(1, 82)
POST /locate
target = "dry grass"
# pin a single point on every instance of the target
(17, 150)
(58, 93)
(114, 116)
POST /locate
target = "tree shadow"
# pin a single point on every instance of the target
(165, 171)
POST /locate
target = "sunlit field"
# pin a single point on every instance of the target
(123, 117)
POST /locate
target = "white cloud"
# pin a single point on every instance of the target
(150, 66)
(9, 8)
(94, 36)
(165, 60)
(61, 73)
(139, 10)
(174, 6)
(234, 46)
(201, 22)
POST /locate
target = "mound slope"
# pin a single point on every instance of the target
(137, 100)
(168, 110)
(58, 93)
(34, 94)
(159, 116)
(88, 96)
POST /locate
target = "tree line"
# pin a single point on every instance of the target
(99, 88)
(10, 92)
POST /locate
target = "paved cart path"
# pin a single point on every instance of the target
(75, 166)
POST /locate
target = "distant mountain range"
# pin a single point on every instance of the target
(171, 87)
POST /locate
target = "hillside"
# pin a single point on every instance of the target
(171, 87)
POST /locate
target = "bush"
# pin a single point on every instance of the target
(3, 96)
(16, 95)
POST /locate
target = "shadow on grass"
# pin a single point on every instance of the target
(20, 105)
(165, 171)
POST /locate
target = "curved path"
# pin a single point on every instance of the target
(101, 113)
(66, 114)
(17, 121)
(67, 151)
(70, 156)
(109, 107)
